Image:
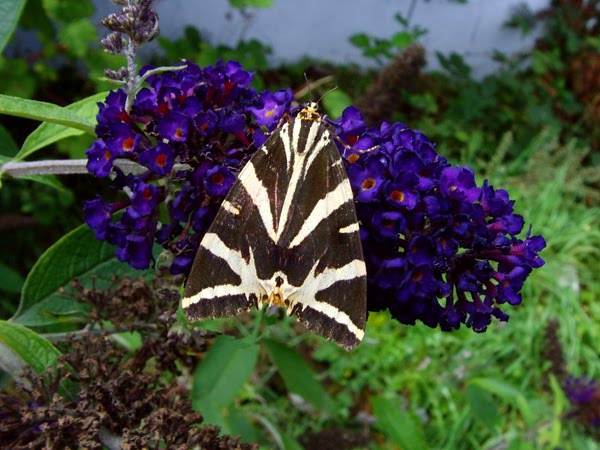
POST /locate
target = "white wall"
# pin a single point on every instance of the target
(321, 28)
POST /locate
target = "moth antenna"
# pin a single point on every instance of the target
(327, 93)
(310, 94)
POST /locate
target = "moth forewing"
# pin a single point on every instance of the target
(287, 235)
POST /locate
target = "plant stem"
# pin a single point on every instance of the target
(61, 167)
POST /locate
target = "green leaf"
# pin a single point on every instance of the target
(282, 440)
(227, 365)
(78, 254)
(298, 377)
(10, 11)
(402, 39)
(251, 3)
(11, 280)
(47, 112)
(48, 180)
(508, 393)
(483, 406)
(395, 423)
(8, 146)
(20, 346)
(74, 147)
(17, 77)
(66, 11)
(77, 36)
(360, 40)
(336, 102)
(522, 444)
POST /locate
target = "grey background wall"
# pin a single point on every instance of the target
(321, 28)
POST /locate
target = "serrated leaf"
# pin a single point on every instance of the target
(78, 254)
(10, 11)
(297, 376)
(227, 365)
(46, 112)
(398, 425)
(483, 406)
(28, 347)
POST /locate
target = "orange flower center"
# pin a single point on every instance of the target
(128, 144)
(353, 158)
(217, 178)
(161, 160)
(416, 276)
(369, 183)
(397, 196)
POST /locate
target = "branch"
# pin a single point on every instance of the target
(62, 167)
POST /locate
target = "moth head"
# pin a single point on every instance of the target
(310, 111)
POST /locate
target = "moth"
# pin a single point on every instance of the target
(287, 235)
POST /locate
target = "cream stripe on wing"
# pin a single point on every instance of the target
(249, 283)
(260, 198)
(332, 275)
(318, 147)
(284, 135)
(322, 210)
(227, 206)
(338, 316)
(312, 285)
(352, 228)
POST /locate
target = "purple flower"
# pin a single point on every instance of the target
(232, 123)
(367, 182)
(272, 107)
(137, 251)
(402, 192)
(98, 216)
(218, 181)
(174, 127)
(145, 198)
(584, 395)
(438, 248)
(100, 159)
(158, 159)
(580, 390)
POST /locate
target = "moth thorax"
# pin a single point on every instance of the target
(310, 112)
(276, 298)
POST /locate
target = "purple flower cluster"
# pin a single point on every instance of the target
(438, 248)
(191, 130)
(584, 395)
(580, 390)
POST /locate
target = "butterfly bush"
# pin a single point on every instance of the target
(438, 248)
(192, 130)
